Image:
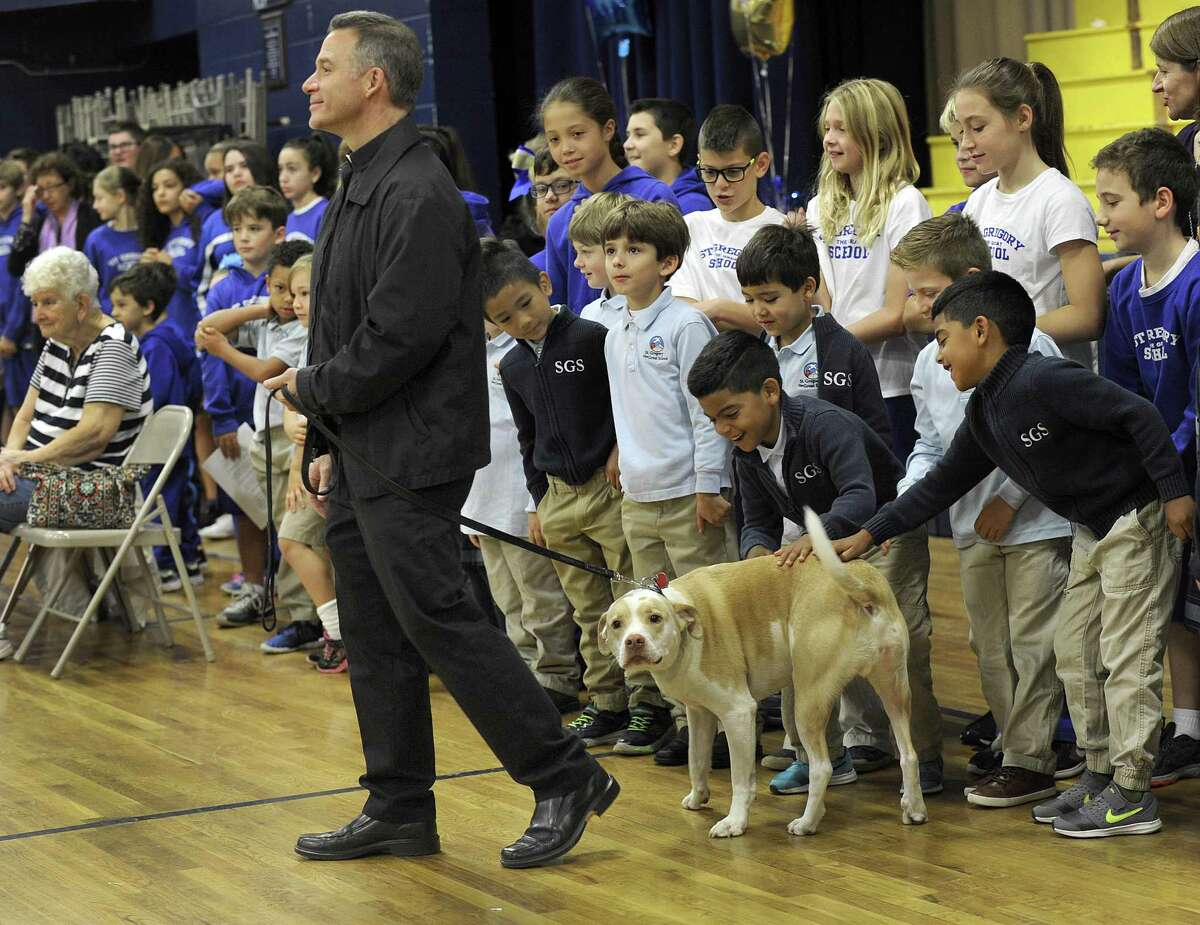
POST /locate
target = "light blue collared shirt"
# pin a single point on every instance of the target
(608, 310)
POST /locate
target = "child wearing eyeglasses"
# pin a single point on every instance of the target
(550, 190)
(732, 158)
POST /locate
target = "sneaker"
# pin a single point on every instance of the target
(599, 727)
(771, 710)
(220, 529)
(564, 703)
(234, 586)
(6, 647)
(720, 752)
(1069, 761)
(649, 729)
(1082, 792)
(245, 609)
(780, 760)
(980, 733)
(867, 758)
(1012, 786)
(333, 658)
(1109, 813)
(295, 637)
(984, 762)
(932, 776)
(169, 580)
(675, 752)
(795, 778)
(315, 657)
(1178, 758)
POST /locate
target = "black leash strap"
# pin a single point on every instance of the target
(656, 583)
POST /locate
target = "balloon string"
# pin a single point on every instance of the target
(762, 84)
(787, 125)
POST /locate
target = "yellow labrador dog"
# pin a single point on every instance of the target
(721, 638)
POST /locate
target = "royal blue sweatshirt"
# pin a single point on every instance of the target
(1083, 446)
(691, 193)
(216, 243)
(304, 225)
(111, 253)
(1152, 339)
(570, 287)
(16, 319)
(182, 310)
(170, 361)
(480, 207)
(228, 394)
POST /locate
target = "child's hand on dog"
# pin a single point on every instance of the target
(794, 552)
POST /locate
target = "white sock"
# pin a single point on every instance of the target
(328, 612)
(1187, 723)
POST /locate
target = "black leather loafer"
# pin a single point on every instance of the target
(558, 823)
(363, 836)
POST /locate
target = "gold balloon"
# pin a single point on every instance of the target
(762, 28)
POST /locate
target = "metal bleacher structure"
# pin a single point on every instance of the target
(207, 107)
(1104, 67)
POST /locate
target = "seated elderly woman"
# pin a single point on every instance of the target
(90, 393)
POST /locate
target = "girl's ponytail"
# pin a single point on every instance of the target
(1049, 131)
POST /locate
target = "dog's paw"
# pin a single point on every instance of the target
(696, 799)
(803, 826)
(913, 815)
(728, 828)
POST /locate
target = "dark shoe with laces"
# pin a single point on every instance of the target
(1178, 758)
(365, 836)
(598, 727)
(867, 758)
(675, 752)
(980, 733)
(1012, 786)
(984, 762)
(1068, 761)
(558, 822)
(649, 729)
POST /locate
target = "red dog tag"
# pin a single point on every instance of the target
(661, 580)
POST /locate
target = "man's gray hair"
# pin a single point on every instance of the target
(388, 44)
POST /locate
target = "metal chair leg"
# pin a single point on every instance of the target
(177, 555)
(49, 601)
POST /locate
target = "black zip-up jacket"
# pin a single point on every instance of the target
(560, 402)
(25, 244)
(1086, 448)
(396, 341)
(848, 375)
(833, 462)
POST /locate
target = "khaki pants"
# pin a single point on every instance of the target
(662, 537)
(1110, 640)
(537, 615)
(906, 567)
(292, 601)
(584, 521)
(1012, 596)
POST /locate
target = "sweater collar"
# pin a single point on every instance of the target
(995, 381)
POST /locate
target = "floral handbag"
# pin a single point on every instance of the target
(104, 498)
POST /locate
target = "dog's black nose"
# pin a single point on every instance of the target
(635, 642)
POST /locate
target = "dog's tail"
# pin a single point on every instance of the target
(857, 591)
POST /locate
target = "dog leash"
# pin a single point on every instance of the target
(654, 583)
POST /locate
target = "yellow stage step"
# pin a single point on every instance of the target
(1108, 12)
(1085, 52)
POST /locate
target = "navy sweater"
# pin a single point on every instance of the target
(832, 462)
(848, 375)
(1085, 447)
(560, 402)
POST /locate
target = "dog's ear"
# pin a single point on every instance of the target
(686, 611)
(602, 635)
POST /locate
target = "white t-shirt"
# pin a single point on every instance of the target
(856, 278)
(709, 268)
(1023, 228)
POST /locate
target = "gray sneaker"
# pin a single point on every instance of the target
(245, 610)
(1082, 792)
(1110, 813)
(780, 760)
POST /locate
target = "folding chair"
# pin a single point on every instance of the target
(160, 442)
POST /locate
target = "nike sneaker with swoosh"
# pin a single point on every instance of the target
(1111, 814)
(1082, 792)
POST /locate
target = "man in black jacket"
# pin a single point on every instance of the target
(397, 368)
(1102, 458)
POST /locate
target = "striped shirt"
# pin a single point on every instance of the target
(110, 370)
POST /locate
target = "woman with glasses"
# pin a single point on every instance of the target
(66, 220)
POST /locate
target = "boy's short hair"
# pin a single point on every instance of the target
(732, 360)
(260, 202)
(731, 128)
(587, 222)
(994, 295)
(504, 263)
(951, 244)
(1152, 158)
(286, 253)
(948, 117)
(544, 163)
(302, 264)
(672, 118)
(133, 129)
(148, 282)
(784, 254)
(659, 224)
(12, 174)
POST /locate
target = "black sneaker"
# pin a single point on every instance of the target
(720, 752)
(598, 727)
(867, 758)
(1178, 758)
(675, 752)
(770, 710)
(980, 733)
(984, 762)
(649, 729)
(1068, 761)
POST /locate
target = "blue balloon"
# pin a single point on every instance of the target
(618, 18)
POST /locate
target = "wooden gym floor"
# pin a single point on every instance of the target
(150, 787)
